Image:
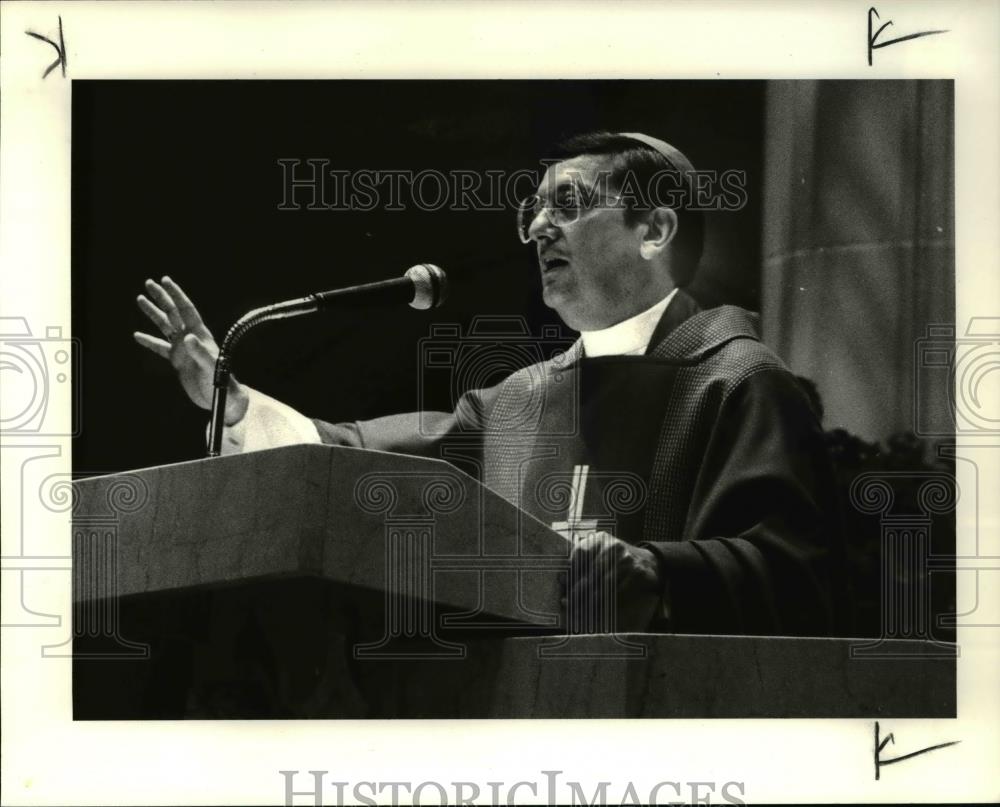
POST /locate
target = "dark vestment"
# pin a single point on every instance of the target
(705, 450)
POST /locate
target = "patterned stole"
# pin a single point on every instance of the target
(671, 479)
(514, 423)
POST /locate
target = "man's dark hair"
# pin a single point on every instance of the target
(634, 167)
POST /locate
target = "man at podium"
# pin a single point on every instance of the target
(731, 522)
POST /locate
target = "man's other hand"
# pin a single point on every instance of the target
(613, 586)
(187, 344)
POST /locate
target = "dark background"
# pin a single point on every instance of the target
(182, 178)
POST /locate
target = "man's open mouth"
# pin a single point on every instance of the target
(548, 264)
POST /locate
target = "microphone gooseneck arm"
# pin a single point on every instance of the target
(223, 369)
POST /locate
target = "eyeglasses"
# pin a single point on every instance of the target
(570, 204)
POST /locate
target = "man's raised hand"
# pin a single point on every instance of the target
(187, 344)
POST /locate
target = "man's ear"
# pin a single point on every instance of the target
(661, 227)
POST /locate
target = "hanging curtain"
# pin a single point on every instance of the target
(859, 244)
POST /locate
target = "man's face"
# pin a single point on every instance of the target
(592, 272)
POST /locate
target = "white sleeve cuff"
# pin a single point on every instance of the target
(267, 424)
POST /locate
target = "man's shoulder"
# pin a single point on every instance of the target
(744, 354)
(706, 332)
(534, 375)
(723, 344)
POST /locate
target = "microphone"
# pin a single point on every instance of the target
(423, 286)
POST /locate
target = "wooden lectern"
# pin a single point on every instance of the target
(321, 582)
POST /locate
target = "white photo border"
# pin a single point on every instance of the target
(49, 759)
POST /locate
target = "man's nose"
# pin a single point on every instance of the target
(541, 226)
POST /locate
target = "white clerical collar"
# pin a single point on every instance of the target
(629, 337)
